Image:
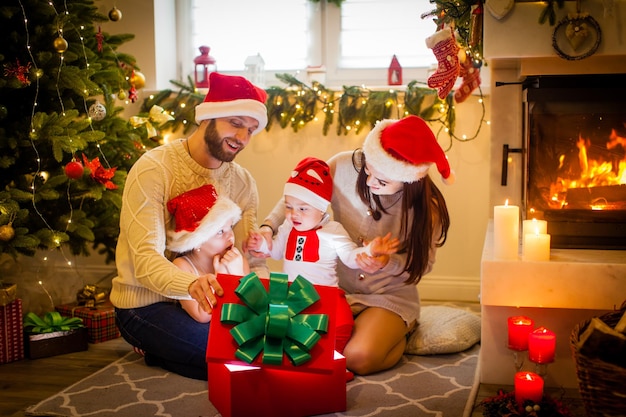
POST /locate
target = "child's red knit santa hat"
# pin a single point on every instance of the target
(231, 95)
(404, 150)
(311, 182)
(199, 214)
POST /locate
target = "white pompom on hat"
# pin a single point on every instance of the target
(311, 182)
(199, 214)
(404, 150)
(232, 95)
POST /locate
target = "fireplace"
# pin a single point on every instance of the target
(574, 152)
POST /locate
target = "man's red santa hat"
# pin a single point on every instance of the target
(231, 95)
(404, 150)
(199, 214)
(311, 182)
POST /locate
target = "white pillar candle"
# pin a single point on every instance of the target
(534, 226)
(506, 231)
(536, 247)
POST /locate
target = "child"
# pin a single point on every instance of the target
(204, 239)
(309, 243)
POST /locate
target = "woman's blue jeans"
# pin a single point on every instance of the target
(169, 336)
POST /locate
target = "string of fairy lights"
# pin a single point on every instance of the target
(349, 111)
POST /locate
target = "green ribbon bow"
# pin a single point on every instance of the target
(270, 320)
(51, 322)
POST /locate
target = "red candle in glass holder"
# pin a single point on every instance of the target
(519, 329)
(541, 345)
(528, 386)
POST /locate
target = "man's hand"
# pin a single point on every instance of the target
(205, 290)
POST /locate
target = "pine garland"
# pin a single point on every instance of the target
(351, 110)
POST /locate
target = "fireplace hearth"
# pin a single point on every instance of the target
(575, 158)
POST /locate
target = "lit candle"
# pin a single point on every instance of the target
(506, 231)
(519, 329)
(534, 226)
(536, 247)
(528, 386)
(541, 345)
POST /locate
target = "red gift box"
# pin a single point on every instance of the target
(238, 388)
(11, 332)
(99, 320)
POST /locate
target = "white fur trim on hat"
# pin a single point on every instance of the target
(223, 210)
(306, 195)
(241, 107)
(392, 168)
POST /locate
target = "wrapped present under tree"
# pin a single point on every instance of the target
(53, 335)
(11, 332)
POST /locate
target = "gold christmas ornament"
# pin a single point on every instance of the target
(60, 44)
(7, 232)
(122, 95)
(115, 14)
(138, 80)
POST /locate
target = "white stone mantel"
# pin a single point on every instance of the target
(575, 285)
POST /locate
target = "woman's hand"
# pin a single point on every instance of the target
(371, 264)
(384, 245)
(205, 290)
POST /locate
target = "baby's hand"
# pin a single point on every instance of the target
(256, 245)
(254, 241)
(384, 245)
(231, 262)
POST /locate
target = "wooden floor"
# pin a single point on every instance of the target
(26, 382)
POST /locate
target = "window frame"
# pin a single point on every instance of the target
(324, 50)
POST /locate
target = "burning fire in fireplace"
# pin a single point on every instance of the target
(606, 173)
(575, 159)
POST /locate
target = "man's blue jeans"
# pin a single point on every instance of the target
(169, 336)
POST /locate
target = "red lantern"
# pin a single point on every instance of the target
(205, 64)
(394, 76)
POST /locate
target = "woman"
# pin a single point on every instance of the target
(384, 187)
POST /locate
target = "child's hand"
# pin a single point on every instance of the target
(231, 262)
(253, 243)
(384, 245)
(257, 246)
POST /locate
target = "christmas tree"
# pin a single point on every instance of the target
(64, 148)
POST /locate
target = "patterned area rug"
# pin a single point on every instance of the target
(435, 385)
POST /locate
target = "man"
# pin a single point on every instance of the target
(148, 284)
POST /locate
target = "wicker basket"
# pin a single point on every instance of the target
(602, 384)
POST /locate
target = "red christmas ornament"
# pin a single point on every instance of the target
(74, 170)
(99, 38)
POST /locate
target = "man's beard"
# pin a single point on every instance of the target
(214, 144)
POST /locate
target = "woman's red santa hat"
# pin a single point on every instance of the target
(231, 95)
(404, 150)
(199, 214)
(311, 182)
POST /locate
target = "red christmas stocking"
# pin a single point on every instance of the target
(446, 51)
(471, 81)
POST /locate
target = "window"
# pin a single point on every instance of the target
(355, 42)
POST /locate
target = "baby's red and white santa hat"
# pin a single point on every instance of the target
(311, 182)
(405, 149)
(232, 95)
(199, 214)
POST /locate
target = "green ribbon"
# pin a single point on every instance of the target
(51, 322)
(270, 321)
